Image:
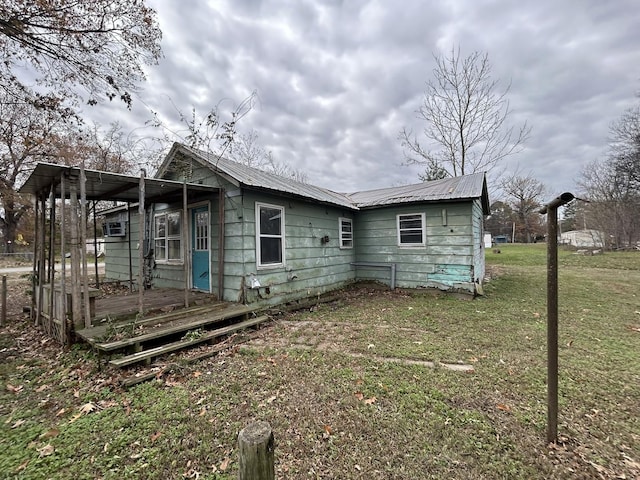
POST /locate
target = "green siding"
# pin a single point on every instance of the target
(317, 267)
(453, 257)
(444, 262)
(478, 245)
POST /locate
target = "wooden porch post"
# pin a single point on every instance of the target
(221, 244)
(52, 258)
(76, 299)
(95, 244)
(185, 241)
(141, 244)
(41, 266)
(83, 246)
(63, 265)
(34, 303)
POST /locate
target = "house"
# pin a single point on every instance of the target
(256, 238)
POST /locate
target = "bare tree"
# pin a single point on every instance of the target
(98, 45)
(245, 149)
(524, 194)
(625, 148)
(25, 137)
(613, 203)
(612, 185)
(214, 132)
(466, 120)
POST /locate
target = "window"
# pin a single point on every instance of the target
(346, 232)
(411, 230)
(269, 235)
(168, 237)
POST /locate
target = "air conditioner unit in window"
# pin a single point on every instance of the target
(114, 229)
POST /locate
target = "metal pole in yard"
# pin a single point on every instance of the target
(551, 209)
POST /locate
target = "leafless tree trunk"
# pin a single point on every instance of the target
(465, 118)
(613, 185)
(524, 195)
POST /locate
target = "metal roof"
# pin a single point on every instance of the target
(455, 188)
(105, 185)
(253, 177)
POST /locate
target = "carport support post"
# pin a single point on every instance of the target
(141, 245)
(185, 240)
(551, 209)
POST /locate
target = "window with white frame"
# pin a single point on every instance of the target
(346, 232)
(269, 235)
(168, 237)
(411, 230)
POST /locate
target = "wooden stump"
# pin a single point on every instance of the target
(255, 452)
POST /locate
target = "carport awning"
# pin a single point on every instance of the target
(107, 186)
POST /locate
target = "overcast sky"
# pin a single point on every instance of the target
(337, 80)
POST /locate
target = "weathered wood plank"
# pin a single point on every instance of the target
(182, 344)
(183, 327)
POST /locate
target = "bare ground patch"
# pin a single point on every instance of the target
(335, 337)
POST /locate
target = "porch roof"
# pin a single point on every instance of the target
(106, 185)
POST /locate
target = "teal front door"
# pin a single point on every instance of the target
(200, 263)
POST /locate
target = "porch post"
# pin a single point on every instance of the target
(221, 244)
(76, 299)
(63, 265)
(83, 244)
(141, 245)
(95, 244)
(185, 241)
(41, 266)
(35, 283)
(52, 258)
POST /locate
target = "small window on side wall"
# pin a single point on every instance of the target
(269, 235)
(346, 232)
(411, 230)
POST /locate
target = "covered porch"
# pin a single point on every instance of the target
(65, 301)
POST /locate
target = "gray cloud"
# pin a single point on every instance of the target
(336, 80)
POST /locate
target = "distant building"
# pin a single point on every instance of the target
(583, 238)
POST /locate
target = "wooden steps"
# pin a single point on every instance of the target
(185, 343)
(204, 319)
(153, 336)
(94, 335)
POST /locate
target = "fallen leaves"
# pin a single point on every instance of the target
(225, 464)
(54, 432)
(367, 401)
(85, 409)
(46, 450)
(14, 389)
(18, 423)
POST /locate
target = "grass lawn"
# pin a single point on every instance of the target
(349, 393)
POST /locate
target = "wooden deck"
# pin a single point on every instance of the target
(125, 304)
(166, 326)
